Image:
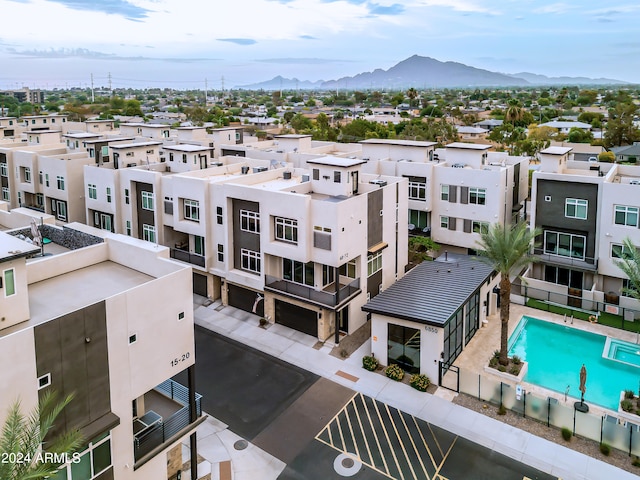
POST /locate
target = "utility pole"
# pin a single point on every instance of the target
(205, 93)
(110, 85)
(93, 98)
(222, 85)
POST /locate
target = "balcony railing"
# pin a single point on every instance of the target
(329, 298)
(586, 263)
(163, 430)
(185, 256)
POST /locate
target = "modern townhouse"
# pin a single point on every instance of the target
(44, 122)
(104, 342)
(584, 211)
(455, 192)
(10, 127)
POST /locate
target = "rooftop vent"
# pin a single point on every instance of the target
(245, 170)
(458, 165)
(286, 175)
(380, 183)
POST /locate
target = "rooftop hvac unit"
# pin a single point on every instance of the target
(457, 165)
(132, 164)
(216, 164)
(634, 182)
(244, 170)
(380, 183)
(305, 178)
(259, 169)
(286, 175)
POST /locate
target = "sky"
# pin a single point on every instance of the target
(215, 44)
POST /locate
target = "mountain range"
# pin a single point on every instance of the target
(426, 72)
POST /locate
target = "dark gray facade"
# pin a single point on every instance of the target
(241, 238)
(374, 219)
(145, 217)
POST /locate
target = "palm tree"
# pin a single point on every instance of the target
(412, 93)
(24, 437)
(507, 249)
(630, 265)
(514, 112)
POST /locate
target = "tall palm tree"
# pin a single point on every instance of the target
(514, 111)
(630, 265)
(507, 249)
(24, 437)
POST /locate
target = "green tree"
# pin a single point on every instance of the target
(578, 135)
(507, 249)
(28, 435)
(607, 157)
(620, 127)
(299, 123)
(288, 116)
(132, 108)
(412, 93)
(630, 265)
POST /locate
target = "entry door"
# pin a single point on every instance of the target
(203, 161)
(59, 209)
(403, 346)
(343, 320)
(105, 222)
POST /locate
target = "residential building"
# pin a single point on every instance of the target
(25, 94)
(566, 126)
(629, 153)
(9, 127)
(44, 122)
(584, 212)
(79, 321)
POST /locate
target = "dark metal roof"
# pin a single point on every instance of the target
(433, 291)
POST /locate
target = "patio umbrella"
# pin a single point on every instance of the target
(37, 235)
(583, 382)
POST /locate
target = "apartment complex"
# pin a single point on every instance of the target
(79, 321)
(584, 211)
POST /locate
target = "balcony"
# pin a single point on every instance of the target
(327, 297)
(166, 415)
(586, 263)
(185, 256)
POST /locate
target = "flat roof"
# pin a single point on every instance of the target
(556, 150)
(82, 135)
(468, 146)
(111, 139)
(337, 161)
(292, 135)
(12, 247)
(404, 143)
(185, 147)
(433, 291)
(139, 144)
(37, 132)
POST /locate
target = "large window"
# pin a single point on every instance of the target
(625, 215)
(576, 208)
(453, 336)
(93, 191)
(286, 229)
(479, 227)
(403, 347)
(444, 192)
(418, 218)
(5, 194)
(298, 272)
(89, 464)
(27, 175)
(564, 244)
(249, 221)
(348, 269)
(108, 194)
(60, 181)
(3, 170)
(148, 199)
(374, 263)
(198, 245)
(417, 189)
(619, 251)
(250, 260)
(148, 233)
(472, 317)
(191, 210)
(9, 283)
(477, 195)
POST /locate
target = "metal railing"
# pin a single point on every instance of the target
(185, 256)
(168, 428)
(318, 296)
(585, 263)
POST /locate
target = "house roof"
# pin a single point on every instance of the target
(337, 161)
(394, 141)
(561, 124)
(433, 291)
(556, 150)
(468, 146)
(627, 150)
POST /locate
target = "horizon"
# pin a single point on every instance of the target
(195, 45)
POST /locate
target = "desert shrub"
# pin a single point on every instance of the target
(515, 370)
(394, 372)
(502, 368)
(516, 360)
(626, 405)
(370, 362)
(566, 433)
(629, 394)
(419, 381)
(605, 449)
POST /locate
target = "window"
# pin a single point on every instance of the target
(374, 263)
(477, 195)
(27, 175)
(220, 252)
(348, 269)
(219, 215)
(298, 272)
(60, 182)
(444, 222)
(46, 179)
(3, 170)
(328, 275)
(171, 156)
(133, 338)
(192, 210)
(93, 191)
(444, 192)
(480, 227)
(564, 244)
(249, 221)
(625, 215)
(9, 282)
(90, 464)
(286, 229)
(198, 245)
(417, 191)
(418, 219)
(148, 233)
(576, 208)
(184, 158)
(337, 176)
(44, 381)
(250, 260)
(147, 200)
(126, 196)
(108, 194)
(619, 251)
(40, 177)
(128, 227)
(5, 194)
(40, 199)
(316, 174)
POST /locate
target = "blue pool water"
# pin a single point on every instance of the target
(555, 354)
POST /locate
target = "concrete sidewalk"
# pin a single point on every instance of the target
(298, 349)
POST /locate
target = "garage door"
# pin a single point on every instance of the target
(199, 284)
(244, 299)
(298, 318)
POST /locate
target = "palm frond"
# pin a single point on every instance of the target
(630, 265)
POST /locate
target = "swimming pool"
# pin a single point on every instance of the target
(555, 354)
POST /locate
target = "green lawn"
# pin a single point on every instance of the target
(605, 318)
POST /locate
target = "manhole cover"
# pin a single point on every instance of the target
(348, 462)
(240, 445)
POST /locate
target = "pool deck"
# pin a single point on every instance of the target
(476, 356)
